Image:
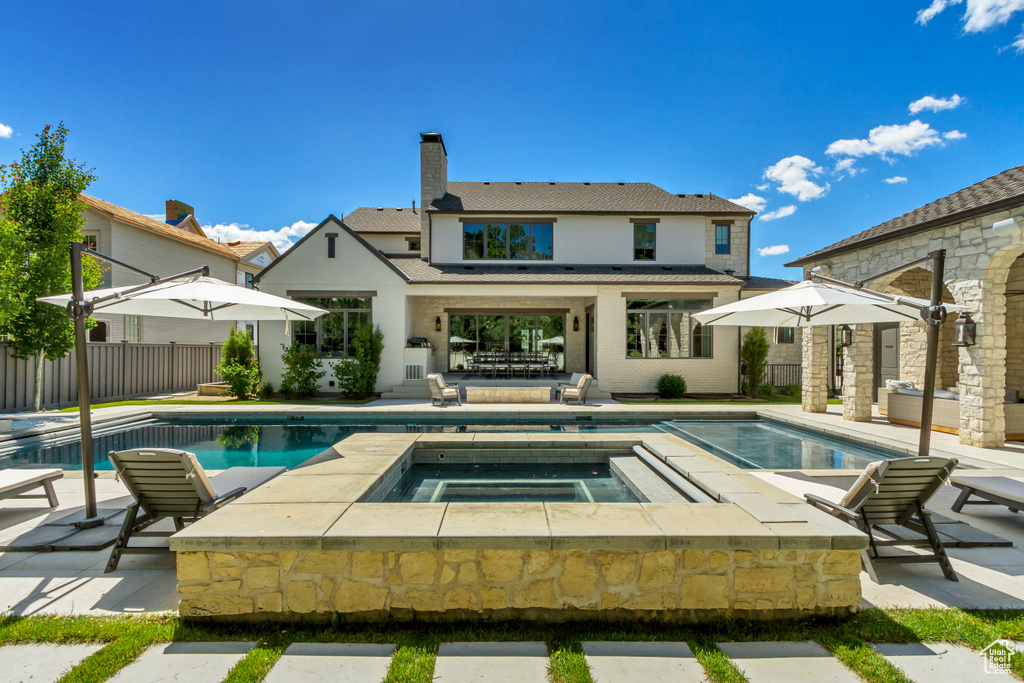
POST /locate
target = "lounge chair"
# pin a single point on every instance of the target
(441, 391)
(171, 483)
(991, 490)
(577, 393)
(894, 492)
(573, 380)
(15, 484)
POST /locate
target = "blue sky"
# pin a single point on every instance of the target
(270, 116)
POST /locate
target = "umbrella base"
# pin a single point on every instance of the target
(89, 522)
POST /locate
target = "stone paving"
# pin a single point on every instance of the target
(609, 662)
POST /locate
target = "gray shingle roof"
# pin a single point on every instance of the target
(419, 271)
(755, 282)
(371, 219)
(976, 199)
(577, 198)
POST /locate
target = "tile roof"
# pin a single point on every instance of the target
(978, 198)
(242, 249)
(383, 219)
(755, 282)
(159, 227)
(577, 198)
(418, 271)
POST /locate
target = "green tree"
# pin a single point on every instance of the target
(40, 215)
(754, 358)
(238, 365)
(357, 376)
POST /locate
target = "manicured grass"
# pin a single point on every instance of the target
(847, 639)
(232, 402)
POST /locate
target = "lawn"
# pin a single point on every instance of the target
(848, 639)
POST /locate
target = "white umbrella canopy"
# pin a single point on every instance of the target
(810, 303)
(195, 297)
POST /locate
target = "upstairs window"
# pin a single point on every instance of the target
(507, 241)
(722, 238)
(644, 238)
(414, 245)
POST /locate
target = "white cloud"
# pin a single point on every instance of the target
(930, 103)
(5, 131)
(239, 231)
(774, 250)
(792, 176)
(895, 179)
(929, 12)
(751, 201)
(954, 135)
(887, 140)
(763, 186)
(1018, 44)
(778, 213)
(981, 15)
(845, 168)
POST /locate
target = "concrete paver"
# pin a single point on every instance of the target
(334, 662)
(41, 663)
(793, 662)
(491, 662)
(612, 662)
(184, 663)
(940, 662)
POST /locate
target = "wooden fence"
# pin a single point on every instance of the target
(118, 371)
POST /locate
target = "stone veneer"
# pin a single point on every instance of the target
(313, 542)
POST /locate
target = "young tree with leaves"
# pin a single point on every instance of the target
(754, 358)
(40, 215)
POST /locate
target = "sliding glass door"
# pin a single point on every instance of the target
(513, 332)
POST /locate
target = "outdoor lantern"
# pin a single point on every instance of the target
(846, 340)
(576, 324)
(964, 330)
(437, 324)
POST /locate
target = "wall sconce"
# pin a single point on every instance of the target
(576, 324)
(437, 324)
(845, 336)
(964, 330)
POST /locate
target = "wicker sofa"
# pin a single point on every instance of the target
(906, 410)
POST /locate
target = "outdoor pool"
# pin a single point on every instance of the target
(747, 443)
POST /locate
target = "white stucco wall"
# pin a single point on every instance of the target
(590, 240)
(390, 243)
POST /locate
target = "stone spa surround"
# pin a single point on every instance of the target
(313, 543)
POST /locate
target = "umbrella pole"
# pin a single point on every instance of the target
(79, 313)
(931, 354)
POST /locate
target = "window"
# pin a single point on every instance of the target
(665, 329)
(248, 280)
(504, 241)
(133, 328)
(332, 335)
(784, 335)
(91, 240)
(250, 329)
(99, 332)
(722, 231)
(331, 240)
(643, 241)
(414, 245)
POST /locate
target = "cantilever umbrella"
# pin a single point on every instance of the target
(191, 295)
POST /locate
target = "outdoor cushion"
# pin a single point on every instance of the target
(893, 383)
(906, 391)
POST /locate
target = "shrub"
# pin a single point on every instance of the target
(302, 373)
(767, 389)
(793, 390)
(671, 386)
(357, 376)
(754, 357)
(238, 365)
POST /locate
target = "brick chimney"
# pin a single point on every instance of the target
(433, 181)
(176, 211)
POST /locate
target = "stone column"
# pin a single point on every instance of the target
(983, 366)
(814, 377)
(859, 374)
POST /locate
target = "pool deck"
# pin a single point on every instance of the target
(74, 582)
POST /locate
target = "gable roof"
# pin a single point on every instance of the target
(243, 249)
(1000, 191)
(755, 282)
(370, 219)
(159, 227)
(618, 198)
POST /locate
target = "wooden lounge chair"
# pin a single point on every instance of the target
(171, 483)
(441, 391)
(15, 483)
(577, 393)
(991, 491)
(894, 492)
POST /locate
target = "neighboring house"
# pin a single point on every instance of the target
(984, 271)
(162, 248)
(603, 277)
(252, 258)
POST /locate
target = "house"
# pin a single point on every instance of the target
(252, 258)
(164, 248)
(980, 229)
(600, 277)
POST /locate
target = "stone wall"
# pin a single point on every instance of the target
(738, 257)
(545, 584)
